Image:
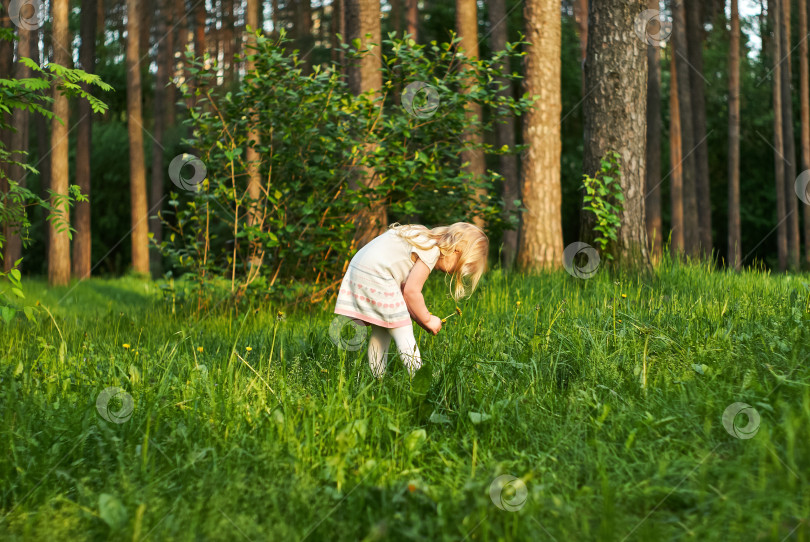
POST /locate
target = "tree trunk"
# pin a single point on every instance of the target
(43, 138)
(734, 232)
(137, 166)
(229, 36)
(789, 146)
(412, 19)
(676, 163)
(82, 244)
(337, 28)
(363, 17)
(541, 242)
(6, 63)
(396, 17)
(652, 190)
(779, 169)
(303, 33)
(615, 110)
(160, 107)
(252, 155)
(505, 132)
(467, 28)
(694, 35)
(18, 146)
(691, 234)
(59, 250)
(581, 17)
(804, 98)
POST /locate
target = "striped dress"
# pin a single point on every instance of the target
(370, 290)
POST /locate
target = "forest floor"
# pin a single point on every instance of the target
(604, 397)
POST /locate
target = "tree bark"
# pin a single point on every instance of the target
(779, 169)
(396, 17)
(694, 35)
(338, 28)
(18, 146)
(581, 17)
(82, 244)
(652, 190)
(162, 105)
(505, 132)
(615, 110)
(804, 97)
(734, 231)
(362, 19)
(691, 234)
(412, 18)
(228, 40)
(303, 33)
(676, 163)
(541, 242)
(467, 28)
(137, 165)
(252, 154)
(789, 146)
(59, 250)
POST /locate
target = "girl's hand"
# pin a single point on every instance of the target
(434, 324)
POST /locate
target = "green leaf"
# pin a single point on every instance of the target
(478, 417)
(7, 313)
(111, 511)
(415, 439)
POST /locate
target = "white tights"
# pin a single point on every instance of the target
(378, 344)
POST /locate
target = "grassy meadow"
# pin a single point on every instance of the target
(604, 397)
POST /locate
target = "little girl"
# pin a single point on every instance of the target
(383, 284)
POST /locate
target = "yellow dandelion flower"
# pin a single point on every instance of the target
(126, 346)
(248, 348)
(458, 311)
(624, 295)
(199, 349)
(518, 304)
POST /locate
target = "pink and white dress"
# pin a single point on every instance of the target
(371, 290)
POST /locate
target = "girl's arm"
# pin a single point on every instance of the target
(412, 292)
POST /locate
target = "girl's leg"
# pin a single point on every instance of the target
(378, 350)
(407, 347)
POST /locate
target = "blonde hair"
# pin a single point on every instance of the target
(468, 239)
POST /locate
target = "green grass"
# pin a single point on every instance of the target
(607, 407)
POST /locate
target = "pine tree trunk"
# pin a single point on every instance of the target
(43, 137)
(505, 132)
(162, 105)
(615, 110)
(694, 34)
(804, 98)
(652, 189)
(467, 28)
(396, 17)
(734, 232)
(789, 146)
(82, 241)
(779, 169)
(412, 19)
(338, 28)
(676, 164)
(137, 165)
(691, 234)
(59, 250)
(541, 242)
(303, 33)
(363, 18)
(18, 146)
(229, 37)
(581, 17)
